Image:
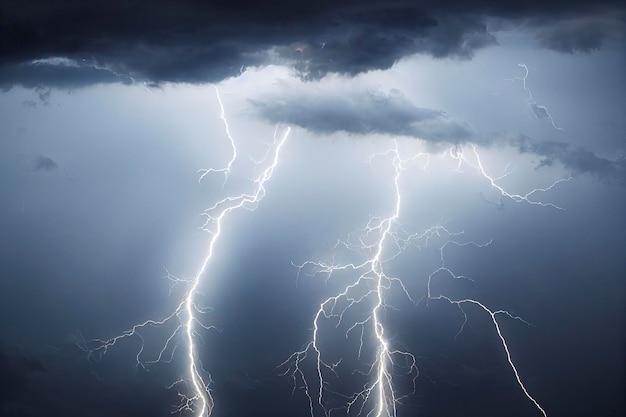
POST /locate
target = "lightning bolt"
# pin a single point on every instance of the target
(196, 395)
(369, 286)
(540, 112)
(383, 369)
(226, 170)
(526, 198)
(379, 365)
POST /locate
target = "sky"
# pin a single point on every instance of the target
(419, 128)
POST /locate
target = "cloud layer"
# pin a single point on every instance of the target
(207, 41)
(326, 110)
(576, 159)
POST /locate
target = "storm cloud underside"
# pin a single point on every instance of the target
(327, 109)
(196, 41)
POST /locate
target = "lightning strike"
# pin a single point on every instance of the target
(382, 367)
(226, 170)
(195, 393)
(377, 363)
(526, 198)
(369, 286)
(539, 111)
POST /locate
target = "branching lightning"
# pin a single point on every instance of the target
(526, 198)
(384, 372)
(369, 286)
(539, 111)
(196, 395)
(382, 368)
(226, 170)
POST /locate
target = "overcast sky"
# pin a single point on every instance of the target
(109, 114)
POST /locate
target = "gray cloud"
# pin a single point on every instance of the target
(540, 112)
(577, 159)
(327, 110)
(207, 41)
(43, 163)
(582, 34)
(365, 47)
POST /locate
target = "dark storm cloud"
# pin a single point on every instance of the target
(199, 41)
(577, 159)
(328, 110)
(581, 34)
(376, 42)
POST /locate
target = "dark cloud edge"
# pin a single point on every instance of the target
(193, 41)
(574, 158)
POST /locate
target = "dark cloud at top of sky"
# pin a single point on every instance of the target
(328, 110)
(577, 159)
(208, 41)
(580, 34)
(365, 48)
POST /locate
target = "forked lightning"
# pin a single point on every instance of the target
(384, 372)
(195, 392)
(378, 365)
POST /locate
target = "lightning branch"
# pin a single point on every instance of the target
(187, 317)
(383, 372)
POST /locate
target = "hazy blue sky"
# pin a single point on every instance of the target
(107, 114)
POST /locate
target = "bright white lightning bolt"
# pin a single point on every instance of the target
(370, 284)
(540, 112)
(199, 400)
(226, 170)
(363, 301)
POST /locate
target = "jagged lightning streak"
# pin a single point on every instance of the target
(526, 198)
(363, 301)
(492, 314)
(226, 170)
(539, 111)
(199, 401)
(370, 284)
